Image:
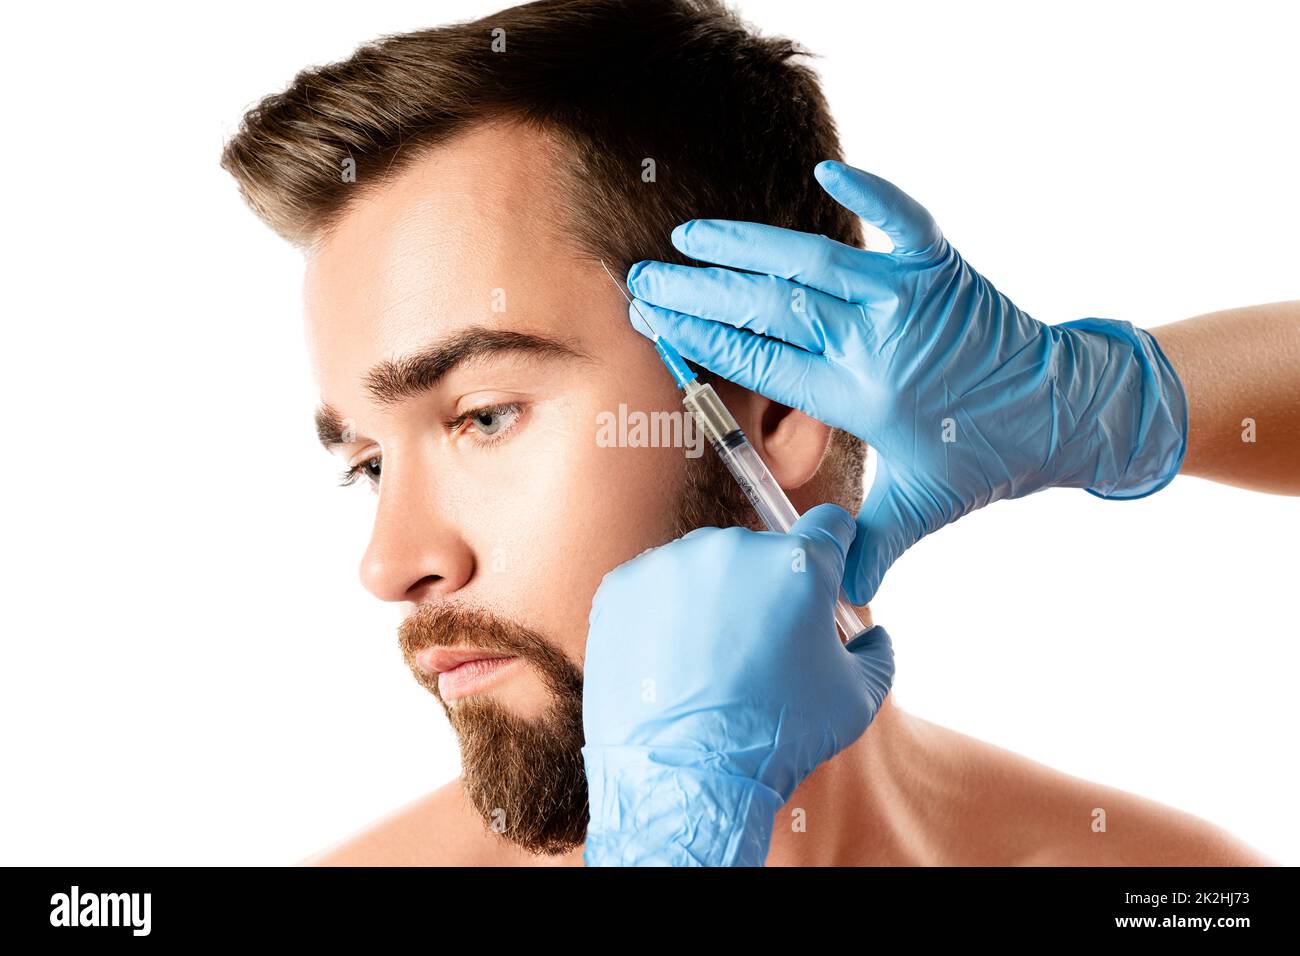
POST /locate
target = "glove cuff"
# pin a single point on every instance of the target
(1145, 440)
(654, 806)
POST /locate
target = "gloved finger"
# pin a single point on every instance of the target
(833, 267)
(829, 531)
(784, 373)
(765, 304)
(887, 525)
(907, 223)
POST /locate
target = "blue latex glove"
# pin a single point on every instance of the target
(967, 399)
(714, 683)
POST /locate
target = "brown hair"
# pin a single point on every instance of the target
(731, 121)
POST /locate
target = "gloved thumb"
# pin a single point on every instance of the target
(907, 223)
(873, 652)
(829, 530)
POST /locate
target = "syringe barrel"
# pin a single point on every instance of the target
(709, 412)
(767, 497)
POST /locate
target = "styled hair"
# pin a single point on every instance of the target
(663, 111)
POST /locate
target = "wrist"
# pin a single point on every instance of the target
(1137, 411)
(653, 806)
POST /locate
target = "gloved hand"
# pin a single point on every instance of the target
(966, 398)
(714, 683)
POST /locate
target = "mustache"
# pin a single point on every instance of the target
(434, 625)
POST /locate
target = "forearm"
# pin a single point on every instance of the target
(1240, 369)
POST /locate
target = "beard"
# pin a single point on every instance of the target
(526, 777)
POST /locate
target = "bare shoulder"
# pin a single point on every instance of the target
(437, 829)
(1125, 829)
(1033, 815)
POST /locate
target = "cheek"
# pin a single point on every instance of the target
(571, 510)
(623, 501)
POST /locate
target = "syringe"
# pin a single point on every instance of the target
(745, 465)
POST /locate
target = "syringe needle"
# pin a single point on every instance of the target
(618, 285)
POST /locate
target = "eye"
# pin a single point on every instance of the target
(489, 422)
(370, 468)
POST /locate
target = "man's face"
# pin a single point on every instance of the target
(465, 352)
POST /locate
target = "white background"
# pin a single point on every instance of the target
(192, 673)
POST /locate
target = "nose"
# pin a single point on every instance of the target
(414, 553)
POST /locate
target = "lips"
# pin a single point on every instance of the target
(438, 660)
(472, 676)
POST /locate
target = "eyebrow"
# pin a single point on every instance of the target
(393, 380)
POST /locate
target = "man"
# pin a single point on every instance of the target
(455, 191)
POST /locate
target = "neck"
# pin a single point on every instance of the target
(860, 808)
(855, 810)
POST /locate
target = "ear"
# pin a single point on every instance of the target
(790, 443)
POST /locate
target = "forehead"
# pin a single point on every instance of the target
(466, 235)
